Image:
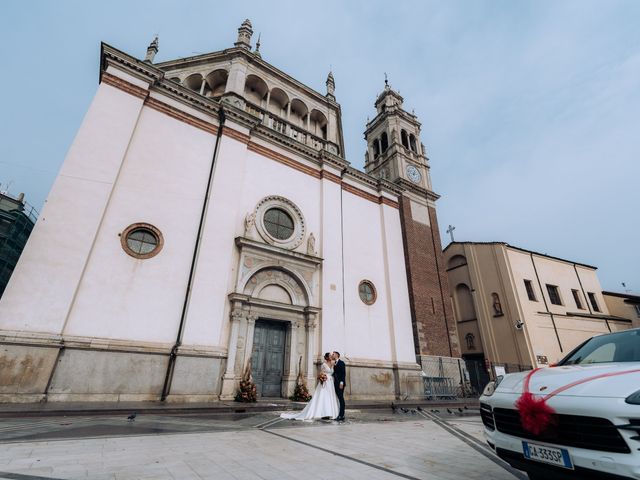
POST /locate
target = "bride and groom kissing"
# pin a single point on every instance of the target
(328, 399)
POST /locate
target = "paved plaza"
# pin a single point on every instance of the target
(372, 444)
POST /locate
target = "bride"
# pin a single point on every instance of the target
(325, 401)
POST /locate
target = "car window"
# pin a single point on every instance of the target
(614, 347)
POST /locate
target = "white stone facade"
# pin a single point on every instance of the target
(83, 320)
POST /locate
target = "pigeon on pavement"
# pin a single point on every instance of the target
(132, 417)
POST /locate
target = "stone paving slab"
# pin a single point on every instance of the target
(402, 446)
(9, 410)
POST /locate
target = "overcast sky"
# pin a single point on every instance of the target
(530, 110)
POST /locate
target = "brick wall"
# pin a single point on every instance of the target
(434, 329)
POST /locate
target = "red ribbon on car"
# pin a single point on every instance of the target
(535, 415)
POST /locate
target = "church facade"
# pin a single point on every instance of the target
(205, 221)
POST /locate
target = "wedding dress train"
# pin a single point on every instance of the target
(324, 402)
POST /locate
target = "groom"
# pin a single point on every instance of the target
(339, 380)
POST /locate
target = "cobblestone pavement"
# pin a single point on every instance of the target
(369, 445)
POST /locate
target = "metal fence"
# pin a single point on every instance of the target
(448, 378)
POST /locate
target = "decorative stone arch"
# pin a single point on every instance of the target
(193, 82)
(216, 83)
(292, 283)
(404, 138)
(384, 142)
(298, 112)
(278, 102)
(318, 123)
(255, 89)
(412, 143)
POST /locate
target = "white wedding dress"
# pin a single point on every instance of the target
(324, 402)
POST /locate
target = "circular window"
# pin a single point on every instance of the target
(141, 240)
(367, 292)
(278, 223)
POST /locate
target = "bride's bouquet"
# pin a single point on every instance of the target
(322, 378)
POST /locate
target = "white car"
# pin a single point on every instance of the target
(595, 432)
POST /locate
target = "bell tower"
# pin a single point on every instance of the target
(395, 154)
(394, 150)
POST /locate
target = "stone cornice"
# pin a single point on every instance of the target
(416, 189)
(247, 243)
(247, 301)
(390, 113)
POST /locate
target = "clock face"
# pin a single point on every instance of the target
(414, 174)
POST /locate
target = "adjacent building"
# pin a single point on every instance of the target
(517, 309)
(205, 221)
(17, 219)
(623, 305)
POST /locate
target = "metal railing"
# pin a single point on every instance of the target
(450, 378)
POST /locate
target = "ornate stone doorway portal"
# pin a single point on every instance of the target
(267, 358)
(274, 320)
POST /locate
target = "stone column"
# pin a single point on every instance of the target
(248, 350)
(229, 378)
(291, 370)
(204, 82)
(311, 325)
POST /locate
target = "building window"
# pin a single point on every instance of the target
(554, 294)
(497, 306)
(594, 303)
(576, 297)
(367, 292)
(530, 293)
(278, 223)
(471, 341)
(384, 142)
(637, 309)
(141, 240)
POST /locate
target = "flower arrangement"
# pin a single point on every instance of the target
(247, 392)
(322, 378)
(301, 392)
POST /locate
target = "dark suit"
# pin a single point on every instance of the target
(340, 375)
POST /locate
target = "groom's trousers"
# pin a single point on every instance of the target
(340, 394)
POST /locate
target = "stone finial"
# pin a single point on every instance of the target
(152, 49)
(257, 52)
(331, 86)
(244, 35)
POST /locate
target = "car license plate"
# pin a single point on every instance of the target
(552, 455)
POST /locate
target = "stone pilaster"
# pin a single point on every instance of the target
(230, 378)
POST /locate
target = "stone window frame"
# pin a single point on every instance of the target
(137, 226)
(373, 290)
(299, 223)
(554, 294)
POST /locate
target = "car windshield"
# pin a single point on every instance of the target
(614, 347)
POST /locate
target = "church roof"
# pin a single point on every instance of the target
(521, 250)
